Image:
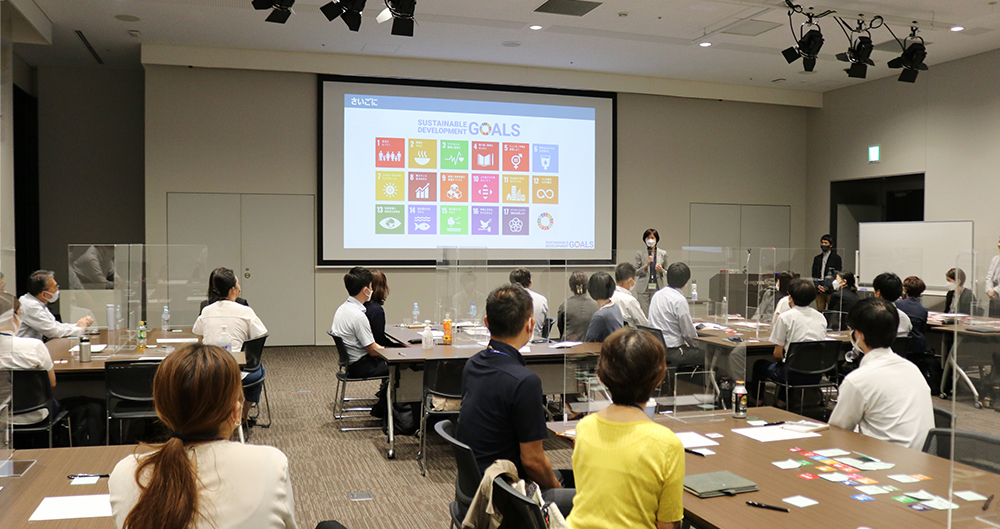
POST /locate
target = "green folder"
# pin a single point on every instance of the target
(723, 483)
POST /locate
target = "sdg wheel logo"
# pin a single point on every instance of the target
(545, 221)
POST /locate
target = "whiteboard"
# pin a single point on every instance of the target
(923, 249)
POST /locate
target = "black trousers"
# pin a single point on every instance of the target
(370, 366)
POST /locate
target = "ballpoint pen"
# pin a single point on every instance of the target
(986, 504)
(688, 450)
(766, 506)
(74, 476)
(774, 423)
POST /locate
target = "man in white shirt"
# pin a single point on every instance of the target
(540, 305)
(889, 287)
(631, 310)
(886, 397)
(669, 312)
(37, 322)
(19, 353)
(352, 326)
(800, 323)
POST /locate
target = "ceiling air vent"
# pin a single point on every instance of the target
(576, 8)
(89, 47)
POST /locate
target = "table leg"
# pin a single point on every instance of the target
(393, 373)
(953, 367)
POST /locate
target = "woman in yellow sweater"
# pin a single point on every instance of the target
(629, 470)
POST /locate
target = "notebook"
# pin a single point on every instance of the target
(723, 483)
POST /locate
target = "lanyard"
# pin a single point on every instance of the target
(492, 350)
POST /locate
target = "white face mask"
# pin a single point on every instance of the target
(951, 286)
(54, 296)
(369, 295)
(837, 284)
(855, 351)
(651, 242)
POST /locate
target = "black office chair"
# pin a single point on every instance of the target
(129, 386)
(901, 346)
(356, 412)
(687, 369)
(32, 391)
(972, 448)
(518, 510)
(943, 418)
(547, 327)
(469, 476)
(442, 378)
(253, 350)
(809, 359)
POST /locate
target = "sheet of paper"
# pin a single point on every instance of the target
(871, 490)
(71, 507)
(525, 349)
(756, 422)
(704, 451)
(767, 434)
(921, 495)
(564, 345)
(94, 348)
(694, 440)
(969, 495)
(714, 435)
(834, 476)
(832, 452)
(875, 465)
(800, 501)
(89, 480)
(176, 340)
(940, 504)
(786, 464)
(903, 478)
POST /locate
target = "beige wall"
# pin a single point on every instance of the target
(218, 130)
(90, 144)
(945, 125)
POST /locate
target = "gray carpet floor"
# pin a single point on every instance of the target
(327, 464)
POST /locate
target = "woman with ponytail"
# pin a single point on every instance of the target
(575, 313)
(198, 479)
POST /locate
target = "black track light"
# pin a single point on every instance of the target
(859, 55)
(402, 16)
(332, 10)
(348, 10)
(808, 48)
(281, 9)
(912, 59)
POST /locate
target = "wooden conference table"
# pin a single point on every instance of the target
(48, 477)
(836, 509)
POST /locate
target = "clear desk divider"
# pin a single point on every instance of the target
(971, 354)
(462, 287)
(586, 286)
(6, 399)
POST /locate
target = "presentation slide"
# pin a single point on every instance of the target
(476, 169)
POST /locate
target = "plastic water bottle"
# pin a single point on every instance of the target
(427, 338)
(447, 329)
(110, 315)
(473, 313)
(416, 313)
(225, 341)
(694, 291)
(165, 319)
(141, 336)
(739, 401)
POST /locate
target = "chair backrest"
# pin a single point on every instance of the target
(469, 475)
(444, 377)
(812, 358)
(130, 379)
(942, 418)
(655, 332)
(518, 510)
(972, 448)
(343, 358)
(547, 327)
(901, 345)
(32, 390)
(253, 349)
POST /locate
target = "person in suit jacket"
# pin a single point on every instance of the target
(845, 295)
(913, 287)
(654, 260)
(824, 266)
(956, 284)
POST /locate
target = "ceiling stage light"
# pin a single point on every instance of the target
(859, 55)
(912, 59)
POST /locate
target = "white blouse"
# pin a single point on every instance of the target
(241, 322)
(241, 486)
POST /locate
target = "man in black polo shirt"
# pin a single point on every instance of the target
(502, 415)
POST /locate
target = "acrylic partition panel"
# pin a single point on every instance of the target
(462, 281)
(6, 397)
(969, 339)
(176, 278)
(89, 285)
(585, 286)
